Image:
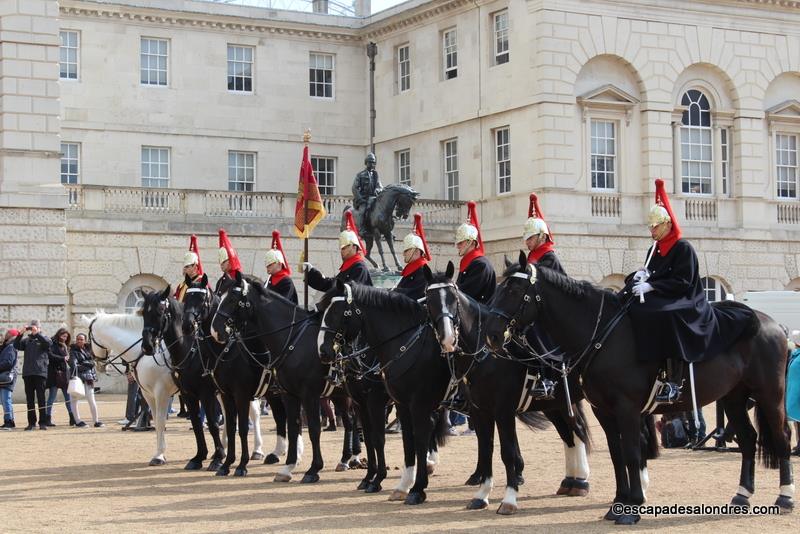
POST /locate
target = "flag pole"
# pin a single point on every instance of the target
(306, 140)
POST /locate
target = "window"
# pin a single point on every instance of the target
(325, 171)
(726, 159)
(241, 171)
(320, 75)
(240, 68)
(502, 138)
(451, 169)
(155, 167)
(68, 55)
(604, 154)
(70, 163)
(501, 37)
(135, 299)
(450, 54)
(696, 153)
(154, 62)
(786, 165)
(403, 68)
(714, 290)
(404, 167)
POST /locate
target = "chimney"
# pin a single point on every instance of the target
(363, 8)
(319, 6)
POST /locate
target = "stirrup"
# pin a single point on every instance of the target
(668, 393)
(544, 389)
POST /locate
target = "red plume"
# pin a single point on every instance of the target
(276, 244)
(472, 218)
(193, 248)
(420, 231)
(663, 200)
(350, 224)
(233, 259)
(533, 207)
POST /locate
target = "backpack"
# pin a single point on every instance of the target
(673, 434)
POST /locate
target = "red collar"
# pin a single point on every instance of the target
(535, 255)
(277, 277)
(668, 242)
(346, 264)
(467, 259)
(412, 267)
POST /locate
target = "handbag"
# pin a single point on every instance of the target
(61, 379)
(76, 387)
(7, 377)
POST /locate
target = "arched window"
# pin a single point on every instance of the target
(134, 300)
(697, 161)
(714, 289)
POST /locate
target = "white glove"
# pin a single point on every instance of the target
(642, 288)
(641, 276)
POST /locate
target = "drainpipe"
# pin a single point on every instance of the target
(372, 51)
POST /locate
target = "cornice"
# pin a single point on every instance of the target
(132, 14)
(414, 16)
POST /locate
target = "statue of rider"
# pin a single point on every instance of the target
(366, 187)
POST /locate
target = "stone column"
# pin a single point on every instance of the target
(32, 201)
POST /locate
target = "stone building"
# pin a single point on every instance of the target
(181, 116)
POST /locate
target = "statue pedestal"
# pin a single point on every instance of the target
(384, 279)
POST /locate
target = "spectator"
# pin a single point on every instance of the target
(8, 368)
(36, 348)
(58, 374)
(81, 364)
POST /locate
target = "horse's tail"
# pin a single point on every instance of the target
(534, 420)
(581, 427)
(441, 428)
(767, 448)
(649, 438)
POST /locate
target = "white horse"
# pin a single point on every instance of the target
(115, 333)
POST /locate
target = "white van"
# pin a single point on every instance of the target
(783, 306)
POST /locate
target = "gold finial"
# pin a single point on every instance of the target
(307, 136)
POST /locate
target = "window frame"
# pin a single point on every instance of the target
(447, 172)
(449, 50)
(776, 166)
(498, 162)
(718, 289)
(77, 160)
(150, 163)
(400, 63)
(323, 83)
(244, 168)
(616, 156)
(701, 129)
(496, 53)
(142, 54)
(325, 189)
(77, 49)
(234, 76)
(400, 166)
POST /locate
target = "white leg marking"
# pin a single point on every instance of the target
(300, 447)
(407, 479)
(569, 461)
(744, 492)
(644, 477)
(433, 457)
(581, 460)
(787, 490)
(281, 446)
(510, 496)
(287, 469)
(484, 490)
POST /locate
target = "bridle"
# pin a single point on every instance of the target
(480, 352)
(510, 332)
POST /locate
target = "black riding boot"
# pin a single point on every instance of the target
(670, 390)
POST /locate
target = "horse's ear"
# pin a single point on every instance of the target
(187, 280)
(339, 286)
(451, 270)
(426, 272)
(523, 259)
(205, 280)
(506, 261)
(239, 277)
(166, 293)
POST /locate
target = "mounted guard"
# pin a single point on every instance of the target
(415, 255)
(279, 273)
(353, 268)
(476, 276)
(228, 263)
(192, 269)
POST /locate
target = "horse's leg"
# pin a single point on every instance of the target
(258, 440)
(423, 426)
(311, 406)
(229, 405)
(243, 405)
(629, 423)
(149, 378)
(366, 424)
(735, 404)
(279, 415)
(369, 241)
(293, 428)
(380, 251)
(193, 404)
(390, 242)
(483, 421)
(376, 403)
(340, 403)
(212, 419)
(409, 459)
(610, 428)
(576, 468)
(775, 441)
(509, 452)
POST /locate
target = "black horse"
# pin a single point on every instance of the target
(498, 391)
(392, 203)
(396, 329)
(162, 319)
(288, 335)
(590, 324)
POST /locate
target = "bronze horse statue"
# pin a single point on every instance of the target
(392, 203)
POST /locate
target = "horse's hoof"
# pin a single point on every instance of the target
(507, 508)
(341, 466)
(566, 486)
(580, 488)
(310, 478)
(415, 497)
(157, 461)
(257, 456)
(629, 519)
(240, 472)
(214, 466)
(362, 485)
(280, 477)
(358, 463)
(473, 480)
(477, 504)
(398, 495)
(193, 465)
(223, 471)
(271, 459)
(740, 500)
(611, 515)
(430, 468)
(373, 487)
(786, 504)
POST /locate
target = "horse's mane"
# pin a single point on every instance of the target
(579, 289)
(126, 321)
(376, 297)
(258, 286)
(400, 188)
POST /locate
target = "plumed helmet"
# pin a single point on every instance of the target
(662, 212)
(658, 215)
(193, 256)
(227, 252)
(222, 255)
(470, 230)
(275, 253)
(349, 235)
(416, 238)
(190, 258)
(535, 224)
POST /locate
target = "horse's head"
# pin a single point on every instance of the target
(512, 301)
(234, 309)
(199, 303)
(341, 322)
(155, 316)
(404, 202)
(441, 300)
